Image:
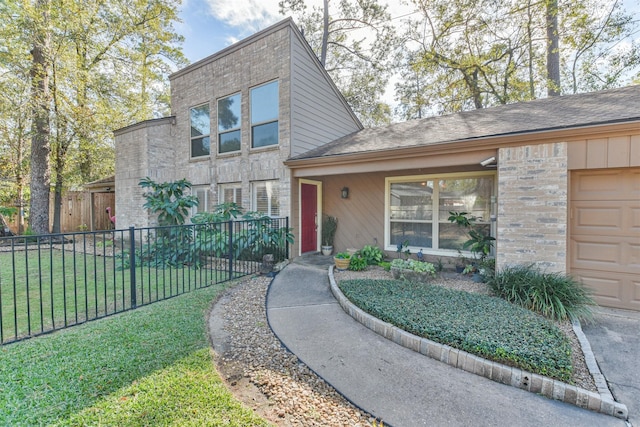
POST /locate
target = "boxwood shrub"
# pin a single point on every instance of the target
(483, 325)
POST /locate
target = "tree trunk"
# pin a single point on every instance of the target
(325, 34)
(553, 51)
(40, 144)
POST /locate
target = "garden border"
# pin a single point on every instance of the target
(601, 401)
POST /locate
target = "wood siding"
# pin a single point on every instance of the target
(616, 151)
(318, 112)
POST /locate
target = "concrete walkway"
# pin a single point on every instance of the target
(395, 384)
(614, 336)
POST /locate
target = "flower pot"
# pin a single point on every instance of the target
(326, 250)
(342, 263)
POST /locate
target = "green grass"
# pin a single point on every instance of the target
(150, 366)
(487, 326)
(71, 289)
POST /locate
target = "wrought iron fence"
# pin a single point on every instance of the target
(50, 282)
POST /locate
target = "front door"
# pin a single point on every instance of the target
(308, 217)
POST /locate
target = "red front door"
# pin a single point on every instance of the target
(308, 219)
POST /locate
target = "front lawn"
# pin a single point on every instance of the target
(487, 326)
(150, 366)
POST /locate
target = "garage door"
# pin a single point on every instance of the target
(605, 234)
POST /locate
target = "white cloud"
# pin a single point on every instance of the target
(250, 15)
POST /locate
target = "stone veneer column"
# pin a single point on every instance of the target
(532, 206)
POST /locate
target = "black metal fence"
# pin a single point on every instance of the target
(50, 282)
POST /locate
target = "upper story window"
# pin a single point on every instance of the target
(418, 209)
(264, 115)
(200, 131)
(229, 122)
(266, 198)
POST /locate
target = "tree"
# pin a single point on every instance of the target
(41, 98)
(477, 53)
(96, 66)
(355, 42)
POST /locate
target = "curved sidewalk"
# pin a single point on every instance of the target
(395, 384)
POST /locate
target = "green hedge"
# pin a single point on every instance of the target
(486, 326)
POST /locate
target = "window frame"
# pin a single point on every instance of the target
(194, 192)
(435, 208)
(276, 120)
(254, 199)
(203, 136)
(238, 128)
(230, 186)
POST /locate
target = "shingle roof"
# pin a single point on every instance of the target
(570, 111)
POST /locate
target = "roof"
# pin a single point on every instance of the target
(110, 180)
(555, 113)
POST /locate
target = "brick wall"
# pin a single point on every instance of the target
(251, 64)
(532, 206)
(144, 149)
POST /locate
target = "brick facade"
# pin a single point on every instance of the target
(532, 206)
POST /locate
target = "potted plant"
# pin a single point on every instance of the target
(342, 260)
(329, 227)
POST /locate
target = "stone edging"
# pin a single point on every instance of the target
(602, 401)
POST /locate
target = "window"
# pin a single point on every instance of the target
(265, 198)
(200, 131)
(229, 120)
(418, 209)
(202, 193)
(264, 115)
(230, 193)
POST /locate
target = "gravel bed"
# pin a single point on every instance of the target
(267, 377)
(276, 385)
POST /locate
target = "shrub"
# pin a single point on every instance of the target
(342, 255)
(358, 263)
(486, 326)
(372, 254)
(413, 265)
(553, 295)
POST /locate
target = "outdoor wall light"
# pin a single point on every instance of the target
(345, 192)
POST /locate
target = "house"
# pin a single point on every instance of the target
(236, 117)
(556, 181)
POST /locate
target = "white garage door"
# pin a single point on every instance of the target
(605, 234)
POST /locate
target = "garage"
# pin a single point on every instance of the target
(605, 234)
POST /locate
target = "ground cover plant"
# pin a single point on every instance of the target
(553, 295)
(483, 325)
(151, 366)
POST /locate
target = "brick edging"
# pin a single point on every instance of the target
(601, 401)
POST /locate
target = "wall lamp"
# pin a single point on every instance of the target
(489, 163)
(345, 192)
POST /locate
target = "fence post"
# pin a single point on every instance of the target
(132, 265)
(286, 243)
(230, 225)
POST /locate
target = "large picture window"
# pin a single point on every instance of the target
(418, 209)
(200, 131)
(266, 198)
(264, 115)
(229, 122)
